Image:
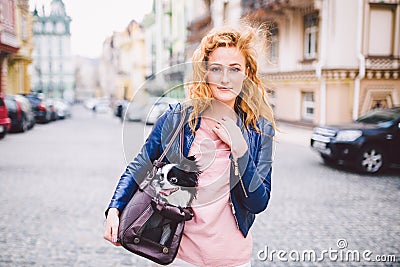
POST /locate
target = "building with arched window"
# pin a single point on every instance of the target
(327, 61)
(330, 61)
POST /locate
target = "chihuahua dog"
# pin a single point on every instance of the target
(175, 185)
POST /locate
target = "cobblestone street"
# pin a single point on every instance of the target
(56, 181)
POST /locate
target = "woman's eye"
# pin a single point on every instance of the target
(235, 69)
(215, 69)
(174, 180)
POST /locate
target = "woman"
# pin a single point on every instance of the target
(230, 131)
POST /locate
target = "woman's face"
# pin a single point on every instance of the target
(226, 73)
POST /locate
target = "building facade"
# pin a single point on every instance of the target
(8, 39)
(19, 63)
(198, 26)
(86, 78)
(165, 39)
(330, 61)
(122, 69)
(53, 70)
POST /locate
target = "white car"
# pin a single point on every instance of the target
(156, 107)
(134, 111)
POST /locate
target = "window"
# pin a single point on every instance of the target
(381, 32)
(60, 28)
(24, 29)
(60, 47)
(37, 27)
(273, 43)
(225, 11)
(311, 36)
(307, 107)
(49, 27)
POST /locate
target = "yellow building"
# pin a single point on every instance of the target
(18, 64)
(122, 66)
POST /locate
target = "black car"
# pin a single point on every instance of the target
(370, 144)
(42, 112)
(20, 113)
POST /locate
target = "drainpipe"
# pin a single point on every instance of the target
(361, 59)
(321, 62)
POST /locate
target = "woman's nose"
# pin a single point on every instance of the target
(225, 76)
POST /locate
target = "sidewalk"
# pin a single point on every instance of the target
(295, 134)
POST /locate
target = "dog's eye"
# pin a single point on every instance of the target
(173, 180)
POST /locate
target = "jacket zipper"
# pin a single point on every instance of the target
(237, 173)
(234, 214)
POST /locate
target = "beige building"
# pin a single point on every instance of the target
(330, 60)
(122, 67)
(86, 76)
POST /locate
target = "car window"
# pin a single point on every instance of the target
(34, 101)
(11, 105)
(379, 116)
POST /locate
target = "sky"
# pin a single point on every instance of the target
(94, 20)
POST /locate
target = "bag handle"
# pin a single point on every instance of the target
(158, 162)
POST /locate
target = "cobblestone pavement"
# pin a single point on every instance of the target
(56, 181)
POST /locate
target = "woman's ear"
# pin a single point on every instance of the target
(247, 72)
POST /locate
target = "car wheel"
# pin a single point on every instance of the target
(48, 117)
(371, 159)
(327, 160)
(2, 135)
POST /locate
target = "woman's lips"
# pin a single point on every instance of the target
(224, 88)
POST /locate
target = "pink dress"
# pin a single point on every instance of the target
(212, 237)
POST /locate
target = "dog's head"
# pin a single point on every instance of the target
(176, 183)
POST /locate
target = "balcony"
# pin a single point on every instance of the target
(382, 63)
(249, 6)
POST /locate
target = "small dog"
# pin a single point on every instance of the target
(175, 184)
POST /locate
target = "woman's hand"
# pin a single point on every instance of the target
(230, 134)
(111, 227)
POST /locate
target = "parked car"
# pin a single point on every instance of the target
(102, 106)
(20, 112)
(370, 144)
(41, 111)
(90, 103)
(155, 108)
(134, 111)
(59, 108)
(51, 109)
(5, 121)
(63, 108)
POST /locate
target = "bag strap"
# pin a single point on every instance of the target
(158, 162)
(178, 129)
